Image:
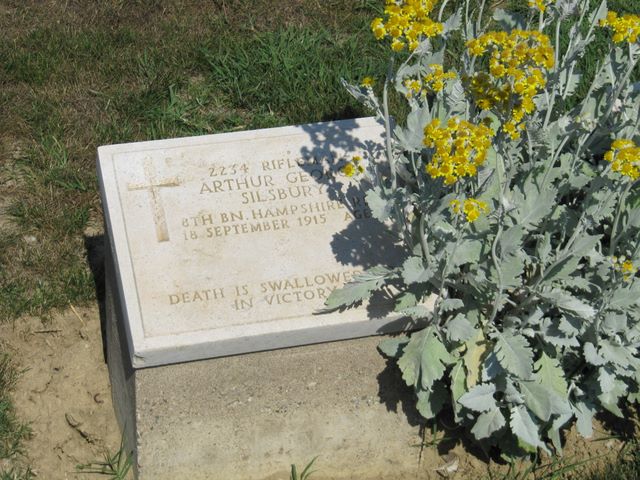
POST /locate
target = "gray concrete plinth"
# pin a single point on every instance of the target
(250, 416)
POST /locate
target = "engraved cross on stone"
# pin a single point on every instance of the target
(153, 187)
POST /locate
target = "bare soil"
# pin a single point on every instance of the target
(64, 394)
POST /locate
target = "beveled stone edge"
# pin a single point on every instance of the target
(190, 346)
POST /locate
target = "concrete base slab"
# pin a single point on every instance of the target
(250, 416)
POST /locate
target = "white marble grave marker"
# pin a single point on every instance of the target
(231, 243)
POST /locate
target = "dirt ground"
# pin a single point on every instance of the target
(64, 394)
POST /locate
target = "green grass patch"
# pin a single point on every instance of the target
(153, 70)
(12, 431)
(626, 467)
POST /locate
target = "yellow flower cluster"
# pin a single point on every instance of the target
(352, 167)
(516, 74)
(626, 267)
(625, 158)
(407, 23)
(471, 208)
(540, 4)
(433, 81)
(367, 82)
(625, 27)
(460, 148)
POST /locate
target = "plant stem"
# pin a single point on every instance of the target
(614, 238)
(441, 12)
(387, 127)
(553, 92)
(423, 237)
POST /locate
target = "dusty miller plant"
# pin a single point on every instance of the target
(518, 205)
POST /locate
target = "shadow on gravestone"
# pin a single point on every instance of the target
(362, 244)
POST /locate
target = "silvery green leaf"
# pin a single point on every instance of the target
(480, 398)
(615, 322)
(435, 357)
(569, 82)
(511, 240)
(535, 206)
(358, 289)
(584, 413)
(411, 138)
(633, 217)
(449, 304)
(511, 393)
(543, 248)
(476, 349)
(380, 207)
(508, 20)
(443, 229)
(589, 109)
(423, 359)
(367, 99)
(417, 312)
(524, 426)
(534, 317)
(569, 303)
(431, 402)
(615, 390)
(623, 298)
(563, 124)
(618, 354)
(570, 325)
(567, 8)
(585, 244)
(411, 358)
(514, 354)
(453, 22)
(537, 399)
(551, 375)
(459, 329)
(488, 423)
(563, 270)
(491, 368)
(606, 378)
(511, 268)
(467, 251)
(405, 300)
(554, 431)
(408, 70)
(592, 356)
(577, 283)
(555, 336)
(601, 203)
(414, 271)
(392, 347)
(455, 99)
(424, 48)
(599, 13)
(458, 386)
